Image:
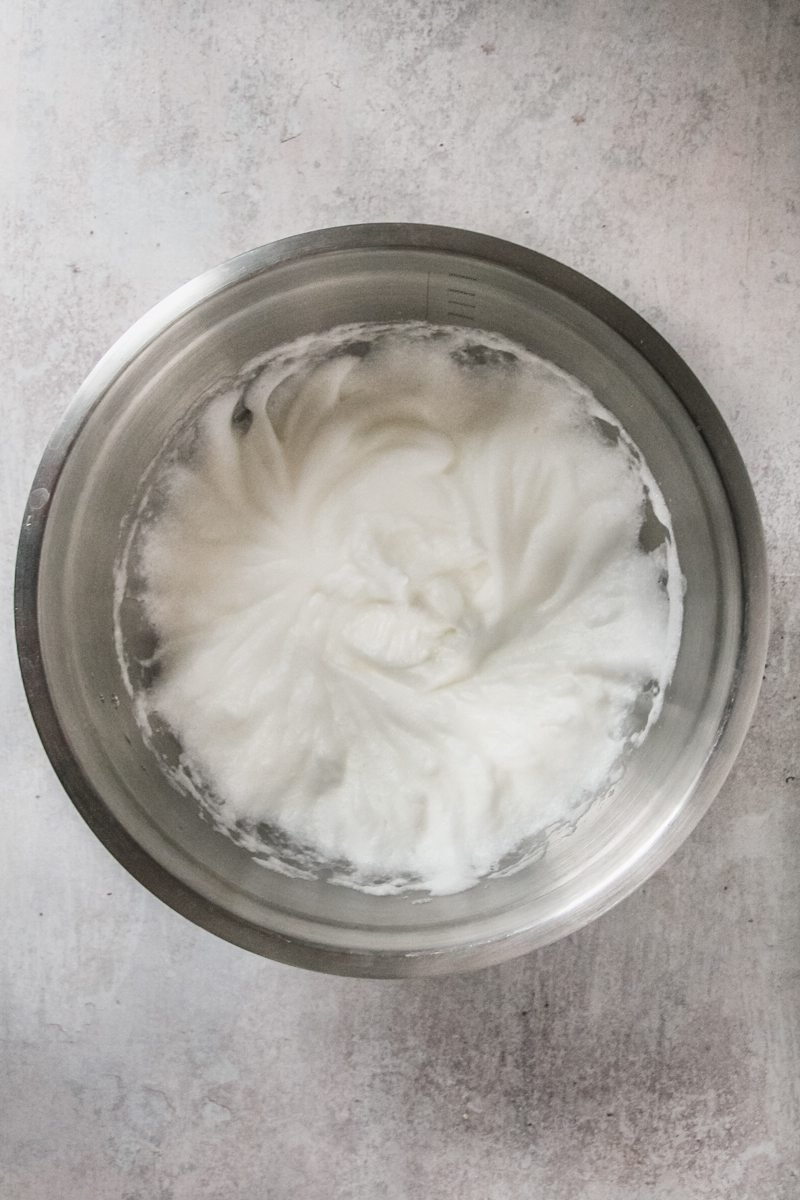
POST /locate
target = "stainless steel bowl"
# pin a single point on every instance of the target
(120, 419)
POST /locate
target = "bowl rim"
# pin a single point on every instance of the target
(649, 344)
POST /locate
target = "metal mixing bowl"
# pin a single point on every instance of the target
(121, 418)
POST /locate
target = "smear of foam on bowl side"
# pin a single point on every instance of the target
(396, 605)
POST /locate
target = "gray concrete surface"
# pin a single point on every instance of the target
(653, 146)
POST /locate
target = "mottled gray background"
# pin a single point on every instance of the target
(654, 146)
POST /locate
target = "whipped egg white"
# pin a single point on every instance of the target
(405, 614)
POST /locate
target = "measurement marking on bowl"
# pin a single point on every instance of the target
(461, 300)
(452, 296)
